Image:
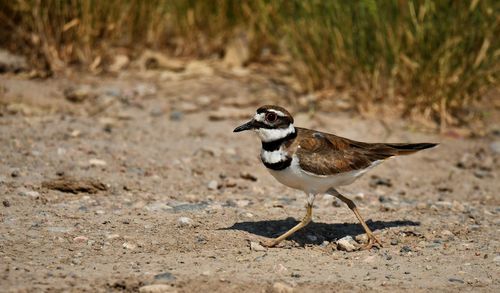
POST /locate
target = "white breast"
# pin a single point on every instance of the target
(296, 177)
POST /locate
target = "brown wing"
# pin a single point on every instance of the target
(327, 154)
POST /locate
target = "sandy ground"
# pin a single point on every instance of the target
(138, 184)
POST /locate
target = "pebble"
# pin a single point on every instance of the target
(347, 244)
(497, 259)
(246, 215)
(255, 246)
(188, 207)
(456, 280)
(280, 269)
(59, 229)
(157, 207)
(394, 242)
(213, 185)
(447, 233)
(184, 222)
(164, 277)
(97, 163)
(29, 193)
(280, 287)
(80, 239)
(6, 203)
(130, 246)
(311, 237)
(379, 181)
(242, 203)
(144, 89)
(495, 146)
(79, 94)
(157, 288)
(248, 176)
(361, 238)
(176, 116)
(405, 249)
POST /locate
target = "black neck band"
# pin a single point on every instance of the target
(279, 165)
(275, 144)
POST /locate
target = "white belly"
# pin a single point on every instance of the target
(295, 177)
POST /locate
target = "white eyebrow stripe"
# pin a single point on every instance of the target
(259, 117)
(279, 113)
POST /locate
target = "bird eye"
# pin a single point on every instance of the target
(271, 117)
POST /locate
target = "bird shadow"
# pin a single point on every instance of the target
(314, 233)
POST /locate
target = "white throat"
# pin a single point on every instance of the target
(268, 135)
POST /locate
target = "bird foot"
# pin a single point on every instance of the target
(372, 242)
(269, 243)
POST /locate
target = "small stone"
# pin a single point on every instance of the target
(280, 269)
(120, 61)
(255, 246)
(29, 193)
(444, 204)
(97, 163)
(280, 287)
(405, 249)
(295, 275)
(495, 146)
(15, 173)
(6, 203)
(242, 203)
(379, 181)
(164, 277)
(246, 215)
(157, 288)
(347, 244)
(157, 207)
(394, 242)
(80, 239)
(447, 233)
(456, 280)
(497, 259)
(176, 116)
(59, 229)
(361, 238)
(112, 236)
(428, 268)
(482, 174)
(248, 176)
(312, 238)
(130, 246)
(230, 183)
(79, 94)
(184, 222)
(144, 89)
(213, 185)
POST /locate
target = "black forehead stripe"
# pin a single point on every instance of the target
(275, 144)
(279, 165)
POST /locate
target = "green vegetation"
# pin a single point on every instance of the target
(434, 55)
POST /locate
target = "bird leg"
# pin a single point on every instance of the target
(306, 220)
(372, 240)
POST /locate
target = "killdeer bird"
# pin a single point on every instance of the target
(317, 162)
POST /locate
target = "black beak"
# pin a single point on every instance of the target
(247, 126)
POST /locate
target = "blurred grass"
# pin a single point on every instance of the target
(435, 56)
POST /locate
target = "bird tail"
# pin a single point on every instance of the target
(409, 148)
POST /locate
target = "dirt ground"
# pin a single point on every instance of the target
(136, 182)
